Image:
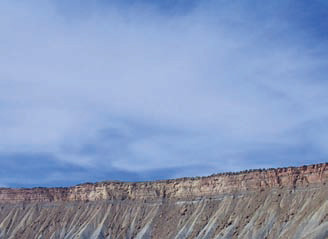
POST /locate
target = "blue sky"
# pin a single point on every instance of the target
(143, 90)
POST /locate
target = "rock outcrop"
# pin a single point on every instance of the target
(274, 203)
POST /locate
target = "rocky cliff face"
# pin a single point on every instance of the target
(273, 203)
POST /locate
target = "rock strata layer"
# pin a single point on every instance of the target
(246, 181)
(274, 203)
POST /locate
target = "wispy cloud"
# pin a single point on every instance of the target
(180, 89)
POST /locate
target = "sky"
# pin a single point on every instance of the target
(146, 90)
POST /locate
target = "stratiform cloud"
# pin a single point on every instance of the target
(138, 91)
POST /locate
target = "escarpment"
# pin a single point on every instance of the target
(246, 181)
(274, 203)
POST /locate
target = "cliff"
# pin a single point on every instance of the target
(273, 203)
(245, 181)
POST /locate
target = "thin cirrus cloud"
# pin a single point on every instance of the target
(139, 91)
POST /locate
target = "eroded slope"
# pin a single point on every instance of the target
(276, 203)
